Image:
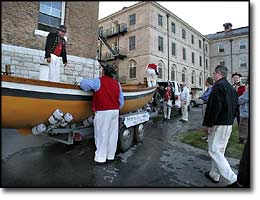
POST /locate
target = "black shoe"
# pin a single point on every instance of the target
(181, 120)
(209, 177)
(184, 121)
(233, 185)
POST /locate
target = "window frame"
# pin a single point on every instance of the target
(173, 29)
(160, 45)
(192, 57)
(131, 20)
(174, 52)
(131, 65)
(243, 61)
(183, 34)
(184, 57)
(245, 46)
(160, 20)
(131, 43)
(221, 44)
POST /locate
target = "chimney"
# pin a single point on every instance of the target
(227, 26)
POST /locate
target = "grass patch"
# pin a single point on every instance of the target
(233, 150)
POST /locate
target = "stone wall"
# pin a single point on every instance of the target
(25, 62)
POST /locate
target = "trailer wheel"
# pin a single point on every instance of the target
(126, 137)
(139, 133)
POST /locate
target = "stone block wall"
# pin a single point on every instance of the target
(25, 62)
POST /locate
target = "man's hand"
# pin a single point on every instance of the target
(48, 60)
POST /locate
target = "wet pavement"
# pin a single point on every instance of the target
(160, 161)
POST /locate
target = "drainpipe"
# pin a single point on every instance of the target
(168, 48)
(204, 61)
(231, 64)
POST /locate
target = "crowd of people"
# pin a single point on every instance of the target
(222, 103)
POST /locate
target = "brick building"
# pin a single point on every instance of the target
(25, 26)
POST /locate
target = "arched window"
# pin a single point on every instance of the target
(200, 79)
(132, 69)
(193, 77)
(183, 75)
(173, 72)
(160, 69)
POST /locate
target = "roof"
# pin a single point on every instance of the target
(232, 33)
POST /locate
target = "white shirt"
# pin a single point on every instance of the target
(185, 94)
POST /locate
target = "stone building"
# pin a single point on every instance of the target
(25, 26)
(230, 48)
(149, 33)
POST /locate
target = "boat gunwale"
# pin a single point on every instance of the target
(137, 87)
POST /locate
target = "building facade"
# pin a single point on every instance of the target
(25, 26)
(152, 34)
(230, 48)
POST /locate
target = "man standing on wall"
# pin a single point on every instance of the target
(219, 118)
(54, 49)
(152, 73)
(107, 101)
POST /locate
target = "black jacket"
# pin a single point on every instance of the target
(51, 43)
(222, 104)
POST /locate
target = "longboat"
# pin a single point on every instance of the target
(28, 102)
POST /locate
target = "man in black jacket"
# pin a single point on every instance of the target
(219, 118)
(54, 49)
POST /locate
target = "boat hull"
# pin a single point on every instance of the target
(27, 102)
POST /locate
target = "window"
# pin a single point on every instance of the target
(200, 79)
(221, 48)
(243, 62)
(206, 63)
(173, 49)
(193, 77)
(206, 47)
(192, 39)
(200, 44)
(51, 15)
(132, 69)
(173, 73)
(200, 60)
(160, 69)
(184, 53)
(222, 62)
(183, 33)
(242, 44)
(160, 43)
(173, 27)
(131, 43)
(193, 57)
(183, 75)
(160, 20)
(132, 19)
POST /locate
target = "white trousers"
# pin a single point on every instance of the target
(167, 110)
(184, 111)
(217, 142)
(106, 134)
(52, 72)
(151, 77)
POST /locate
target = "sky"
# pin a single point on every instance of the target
(205, 17)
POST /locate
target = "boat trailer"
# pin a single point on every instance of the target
(131, 128)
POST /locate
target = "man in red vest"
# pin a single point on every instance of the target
(240, 88)
(55, 48)
(107, 101)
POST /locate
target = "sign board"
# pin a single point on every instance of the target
(133, 120)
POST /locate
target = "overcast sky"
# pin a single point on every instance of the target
(205, 17)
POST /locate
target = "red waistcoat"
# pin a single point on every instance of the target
(107, 97)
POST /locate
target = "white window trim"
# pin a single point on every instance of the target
(45, 33)
(243, 61)
(241, 45)
(223, 48)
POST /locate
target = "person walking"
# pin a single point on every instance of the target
(185, 101)
(107, 101)
(205, 97)
(168, 101)
(152, 73)
(219, 118)
(55, 48)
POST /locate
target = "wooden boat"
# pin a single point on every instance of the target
(28, 102)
